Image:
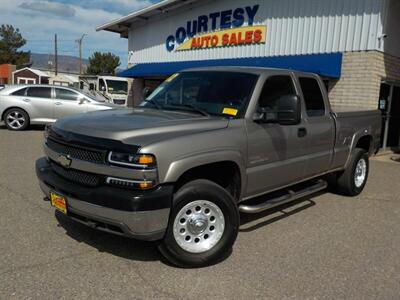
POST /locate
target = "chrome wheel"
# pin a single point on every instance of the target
(15, 119)
(360, 173)
(199, 226)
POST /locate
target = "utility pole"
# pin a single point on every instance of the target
(79, 41)
(55, 54)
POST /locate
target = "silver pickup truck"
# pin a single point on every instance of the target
(204, 146)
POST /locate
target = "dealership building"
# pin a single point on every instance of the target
(353, 44)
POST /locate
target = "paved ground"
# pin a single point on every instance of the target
(325, 247)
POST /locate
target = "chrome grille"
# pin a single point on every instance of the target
(77, 152)
(76, 176)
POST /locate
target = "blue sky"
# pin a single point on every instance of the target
(39, 20)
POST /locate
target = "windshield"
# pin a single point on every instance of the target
(117, 87)
(213, 92)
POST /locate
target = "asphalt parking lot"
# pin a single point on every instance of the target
(327, 246)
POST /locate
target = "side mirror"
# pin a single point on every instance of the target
(82, 100)
(146, 92)
(287, 111)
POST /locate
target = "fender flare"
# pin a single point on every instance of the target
(177, 168)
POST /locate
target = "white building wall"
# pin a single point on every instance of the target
(294, 27)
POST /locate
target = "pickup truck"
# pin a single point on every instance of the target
(204, 146)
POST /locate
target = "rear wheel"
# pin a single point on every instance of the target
(203, 225)
(352, 181)
(16, 119)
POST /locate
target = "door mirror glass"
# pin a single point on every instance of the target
(286, 111)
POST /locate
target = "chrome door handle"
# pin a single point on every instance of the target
(26, 100)
(58, 103)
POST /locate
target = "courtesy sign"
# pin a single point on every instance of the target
(232, 27)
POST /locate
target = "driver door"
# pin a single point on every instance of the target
(67, 103)
(276, 153)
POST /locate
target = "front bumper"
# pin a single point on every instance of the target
(142, 215)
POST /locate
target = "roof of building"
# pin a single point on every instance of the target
(34, 71)
(122, 24)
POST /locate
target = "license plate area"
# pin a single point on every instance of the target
(59, 202)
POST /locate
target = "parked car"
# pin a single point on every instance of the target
(22, 105)
(198, 151)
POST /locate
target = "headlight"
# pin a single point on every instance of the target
(132, 160)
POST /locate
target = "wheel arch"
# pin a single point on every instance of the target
(209, 166)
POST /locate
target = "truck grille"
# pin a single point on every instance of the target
(77, 152)
(76, 176)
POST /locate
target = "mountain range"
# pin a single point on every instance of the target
(69, 64)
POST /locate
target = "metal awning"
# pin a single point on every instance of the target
(326, 65)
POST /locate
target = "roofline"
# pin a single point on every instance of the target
(136, 14)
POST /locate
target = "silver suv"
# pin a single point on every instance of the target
(22, 105)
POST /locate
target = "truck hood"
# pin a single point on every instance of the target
(139, 126)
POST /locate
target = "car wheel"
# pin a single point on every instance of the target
(16, 119)
(203, 225)
(352, 181)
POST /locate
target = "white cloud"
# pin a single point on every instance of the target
(54, 8)
(38, 25)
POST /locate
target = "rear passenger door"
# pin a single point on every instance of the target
(67, 103)
(41, 102)
(319, 125)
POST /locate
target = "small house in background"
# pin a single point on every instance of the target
(30, 76)
(63, 79)
(6, 71)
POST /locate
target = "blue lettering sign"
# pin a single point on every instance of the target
(226, 19)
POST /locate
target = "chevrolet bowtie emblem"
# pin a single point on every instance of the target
(65, 161)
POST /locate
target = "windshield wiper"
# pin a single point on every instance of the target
(191, 108)
(155, 103)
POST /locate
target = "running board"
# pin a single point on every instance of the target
(289, 196)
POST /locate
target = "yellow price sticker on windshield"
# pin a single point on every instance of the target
(172, 77)
(230, 111)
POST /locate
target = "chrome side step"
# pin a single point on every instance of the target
(289, 196)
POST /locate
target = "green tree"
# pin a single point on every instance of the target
(10, 41)
(103, 64)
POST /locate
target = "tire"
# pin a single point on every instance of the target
(352, 181)
(16, 119)
(207, 235)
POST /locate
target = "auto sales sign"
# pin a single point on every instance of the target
(219, 29)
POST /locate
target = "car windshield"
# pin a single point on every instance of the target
(206, 92)
(117, 87)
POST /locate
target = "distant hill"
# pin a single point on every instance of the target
(65, 63)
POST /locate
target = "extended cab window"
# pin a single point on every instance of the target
(313, 97)
(63, 94)
(39, 92)
(274, 88)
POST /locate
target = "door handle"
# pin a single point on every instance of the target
(58, 103)
(301, 132)
(26, 100)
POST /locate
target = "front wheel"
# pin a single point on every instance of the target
(203, 226)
